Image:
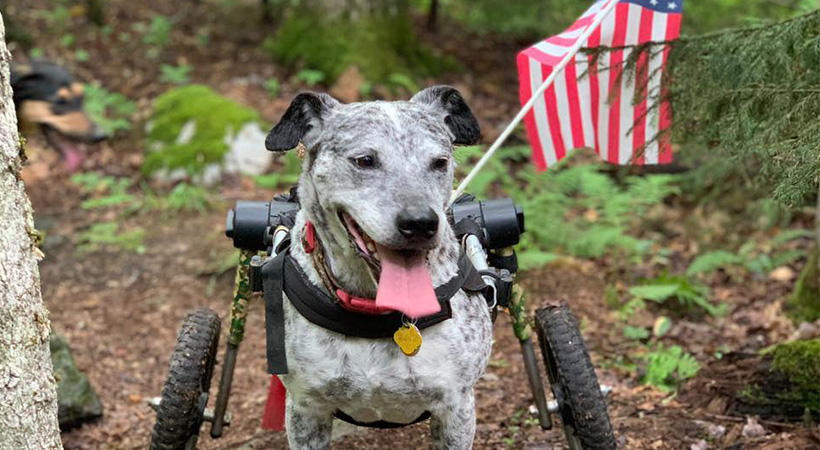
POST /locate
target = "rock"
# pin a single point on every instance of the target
(348, 86)
(782, 273)
(246, 151)
(78, 403)
(752, 429)
(699, 445)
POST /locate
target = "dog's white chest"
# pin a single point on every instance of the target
(371, 379)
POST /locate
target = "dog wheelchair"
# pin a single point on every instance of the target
(488, 231)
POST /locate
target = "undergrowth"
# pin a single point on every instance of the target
(571, 209)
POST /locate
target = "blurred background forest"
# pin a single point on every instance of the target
(696, 285)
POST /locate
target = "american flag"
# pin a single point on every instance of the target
(596, 108)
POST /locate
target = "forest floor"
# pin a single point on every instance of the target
(120, 311)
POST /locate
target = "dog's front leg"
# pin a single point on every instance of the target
(308, 429)
(453, 427)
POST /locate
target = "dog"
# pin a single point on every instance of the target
(375, 185)
(48, 98)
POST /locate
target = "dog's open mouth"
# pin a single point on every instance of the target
(73, 150)
(405, 284)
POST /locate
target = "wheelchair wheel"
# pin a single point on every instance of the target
(185, 394)
(573, 381)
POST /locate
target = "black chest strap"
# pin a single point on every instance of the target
(282, 274)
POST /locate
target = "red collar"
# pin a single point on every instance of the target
(310, 243)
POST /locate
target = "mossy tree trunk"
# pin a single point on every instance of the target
(804, 304)
(28, 394)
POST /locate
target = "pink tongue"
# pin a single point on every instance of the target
(405, 284)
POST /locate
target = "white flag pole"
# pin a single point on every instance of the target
(599, 17)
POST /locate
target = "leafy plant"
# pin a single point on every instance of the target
(310, 77)
(158, 32)
(111, 111)
(404, 81)
(111, 191)
(578, 210)
(668, 367)
(187, 197)
(273, 87)
(751, 256)
(688, 294)
(82, 55)
(175, 74)
(68, 40)
(107, 234)
(286, 175)
(636, 333)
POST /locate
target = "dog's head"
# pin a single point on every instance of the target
(46, 96)
(378, 175)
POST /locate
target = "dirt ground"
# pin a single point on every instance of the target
(120, 311)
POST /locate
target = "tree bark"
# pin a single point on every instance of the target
(96, 12)
(432, 16)
(28, 395)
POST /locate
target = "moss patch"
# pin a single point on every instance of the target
(214, 116)
(804, 304)
(793, 379)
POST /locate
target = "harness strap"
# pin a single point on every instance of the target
(339, 414)
(273, 281)
(282, 275)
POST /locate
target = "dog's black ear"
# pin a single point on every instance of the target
(304, 114)
(458, 117)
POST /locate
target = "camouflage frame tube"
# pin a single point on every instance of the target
(241, 297)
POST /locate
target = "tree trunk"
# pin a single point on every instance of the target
(96, 12)
(432, 16)
(28, 395)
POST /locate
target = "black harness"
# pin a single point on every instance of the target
(281, 275)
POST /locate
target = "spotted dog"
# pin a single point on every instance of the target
(375, 184)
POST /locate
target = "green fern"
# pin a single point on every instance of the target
(711, 261)
(668, 367)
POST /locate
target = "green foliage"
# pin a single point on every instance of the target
(636, 333)
(751, 256)
(711, 261)
(82, 55)
(68, 40)
(310, 77)
(214, 116)
(175, 74)
(751, 97)
(578, 210)
(688, 294)
(110, 191)
(273, 87)
(536, 20)
(380, 41)
(183, 198)
(158, 32)
(287, 174)
(107, 235)
(668, 367)
(111, 111)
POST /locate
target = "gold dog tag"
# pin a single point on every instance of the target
(408, 338)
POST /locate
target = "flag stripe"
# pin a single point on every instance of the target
(525, 94)
(645, 35)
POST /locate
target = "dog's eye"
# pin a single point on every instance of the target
(366, 161)
(440, 164)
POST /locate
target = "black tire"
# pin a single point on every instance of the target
(180, 414)
(573, 381)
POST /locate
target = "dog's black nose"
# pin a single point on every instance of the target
(418, 222)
